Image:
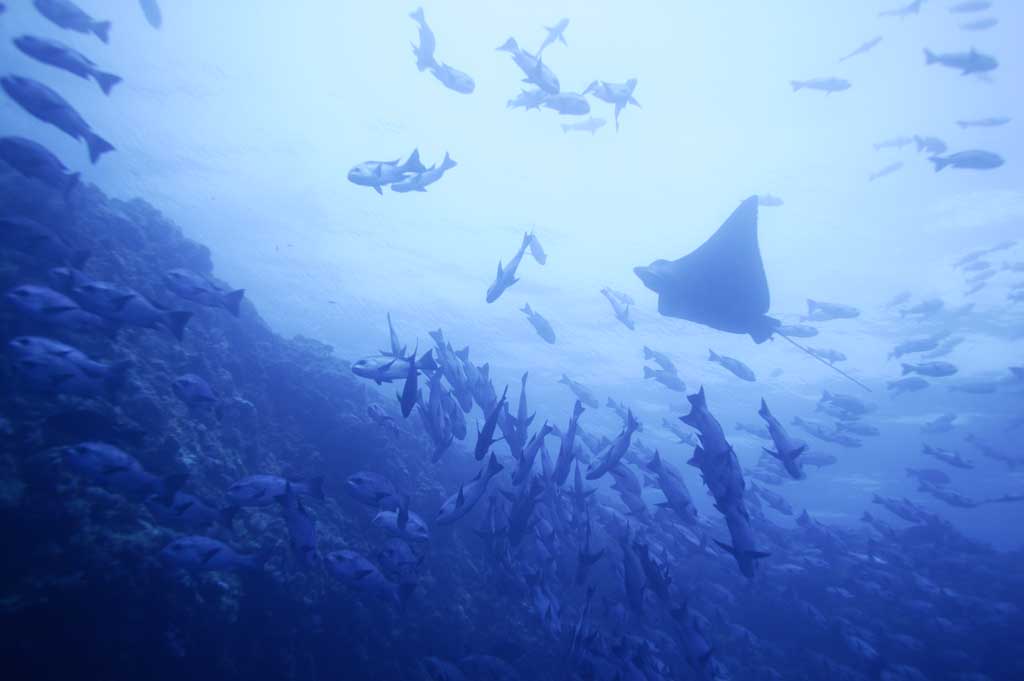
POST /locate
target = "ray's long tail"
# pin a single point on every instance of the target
(830, 366)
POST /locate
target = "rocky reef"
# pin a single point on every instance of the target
(83, 592)
(82, 586)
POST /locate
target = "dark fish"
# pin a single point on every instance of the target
(152, 11)
(507, 276)
(907, 385)
(49, 107)
(906, 10)
(115, 469)
(301, 528)
(542, 326)
(32, 159)
(410, 390)
(567, 447)
(194, 391)
(50, 308)
(826, 85)
(556, 32)
(864, 48)
(123, 305)
(619, 94)
(453, 79)
(787, 450)
(966, 62)
(197, 288)
(372, 489)
(585, 394)
(63, 57)
(469, 494)
(485, 437)
(41, 241)
(972, 160)
(263, 490)
(70, 16)
(736, 367)
(53, 367)
(203, 554)
(424, 52)
(669, 379)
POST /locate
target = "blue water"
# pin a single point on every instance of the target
(239, 123)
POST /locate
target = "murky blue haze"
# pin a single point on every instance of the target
(239, 123)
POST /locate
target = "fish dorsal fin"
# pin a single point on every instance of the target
(460, 501)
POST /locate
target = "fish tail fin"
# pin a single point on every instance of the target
(102, 30)
(233, 300)
(176, 321)
(509, 45)
(564, 380)
(906, 369)
(796, 85)
(649, 373)
(72, 181)
(417, 14)
(116, 377)
(647, 353)
(655, 463)
(712, 357)
(106, 81)
(97, 146)
(697, 400)
(929, 57)
(493, 467)
(448, 163)
(527, 310)
(566, 128)
(763, 411)
(427, 362)
(414, 164)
